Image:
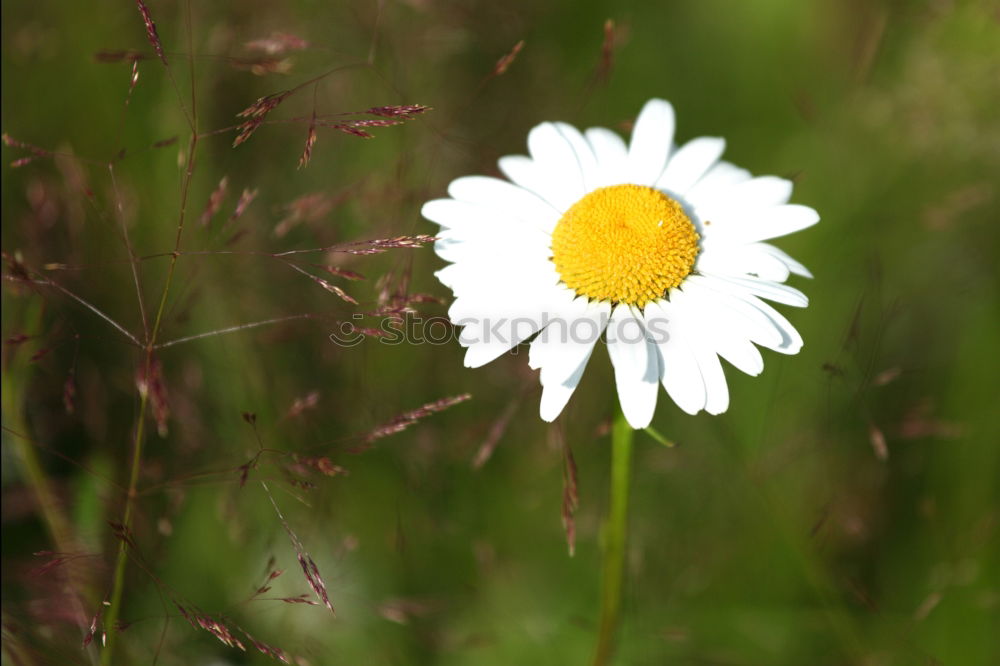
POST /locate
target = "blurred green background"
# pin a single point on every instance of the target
(844, 511)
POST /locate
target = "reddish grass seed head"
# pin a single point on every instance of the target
(151, 33)
(246, 198)
(214, 201)
(407, 419)
(405, 111)
(310, 142)
(255, 114)
(505, 62)
(277, 43)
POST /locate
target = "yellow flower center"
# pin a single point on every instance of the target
(624, 243)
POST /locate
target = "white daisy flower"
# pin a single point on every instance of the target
(657, 247)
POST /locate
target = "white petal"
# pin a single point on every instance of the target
(562, 351)
(611, 154)
(730, 207)
(491, 229)
(636, 364)
(737, 313)
(520, 169)
(792, 341)
(680, 375)
(483, 347)
(492, 326)
(449, 213)
(478, 355)
(732, 302)
(716, 389)
(486, 305)
(690, 320)
(485, 276)
(480, 250)
(555, 158)
(716, 330)
(690, 163)
(472, 216)
(570, 334)
(651, 139)
(741, 261)
(793, 265)
(589, 168)
(501, 195)
(490, 245)
(740, 352)
(763, 191)
(535, 177)
(762, 224)
(547, 145)
(714, 184)
(772, 291)
(557, 394)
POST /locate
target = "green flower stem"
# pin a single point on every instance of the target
(615, 532)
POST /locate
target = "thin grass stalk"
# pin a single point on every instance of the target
(803, 545)
(55, 520)
(114, 607)
(114, 604)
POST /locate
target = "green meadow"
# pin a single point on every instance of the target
(194, 470)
